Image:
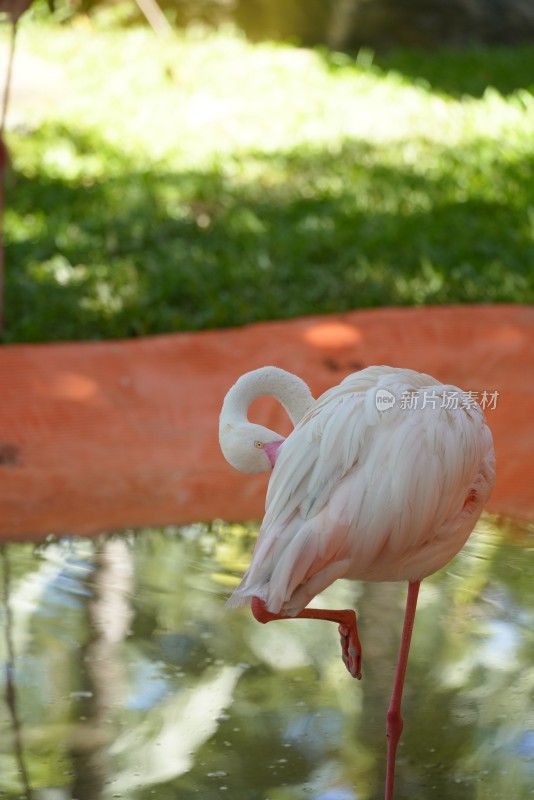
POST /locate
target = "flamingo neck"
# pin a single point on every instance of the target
(293, 394)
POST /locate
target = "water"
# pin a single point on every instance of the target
(125, 677)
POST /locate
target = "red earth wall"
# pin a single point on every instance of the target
(104, 435)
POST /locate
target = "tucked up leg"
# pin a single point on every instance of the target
(351, 651)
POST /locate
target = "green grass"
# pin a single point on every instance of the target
(205, 182)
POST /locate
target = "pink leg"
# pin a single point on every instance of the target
(394, 722)
(351, 650)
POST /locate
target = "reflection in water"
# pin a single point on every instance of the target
(124, 676)
(9, 667)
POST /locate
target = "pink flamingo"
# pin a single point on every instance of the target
(382, 479)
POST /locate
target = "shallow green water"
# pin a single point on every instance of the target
(124, 676)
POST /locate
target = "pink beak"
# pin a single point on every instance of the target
(272, 448)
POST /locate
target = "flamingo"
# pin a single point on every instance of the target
(383, 478)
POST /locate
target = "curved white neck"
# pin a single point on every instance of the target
(285, 387)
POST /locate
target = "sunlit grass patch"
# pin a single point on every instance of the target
(206, 182)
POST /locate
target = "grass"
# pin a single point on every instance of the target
(205, 182)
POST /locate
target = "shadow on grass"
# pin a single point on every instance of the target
(149, 252)
(456, 73)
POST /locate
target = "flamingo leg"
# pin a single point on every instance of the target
(351, 649)
(394, 723)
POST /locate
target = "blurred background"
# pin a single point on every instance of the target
(191, 165)
(349, 24)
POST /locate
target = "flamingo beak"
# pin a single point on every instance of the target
(272, 448)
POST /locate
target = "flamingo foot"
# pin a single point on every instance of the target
(351, 649)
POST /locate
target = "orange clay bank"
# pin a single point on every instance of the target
(103, 435)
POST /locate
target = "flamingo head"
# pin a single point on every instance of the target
(248, 447)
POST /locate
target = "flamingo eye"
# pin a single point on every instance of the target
(258, 444)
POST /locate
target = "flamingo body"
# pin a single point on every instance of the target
(370, 493)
